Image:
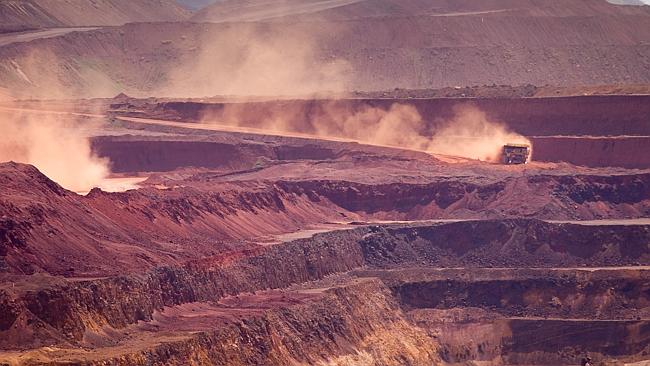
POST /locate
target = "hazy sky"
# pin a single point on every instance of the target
(629, 1)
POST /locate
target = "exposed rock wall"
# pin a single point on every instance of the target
(582, 296)
(545, 120)
(359, 322)
(356, 324)
(147, 228)
(118, 301)
(546, 197)
(509, 244)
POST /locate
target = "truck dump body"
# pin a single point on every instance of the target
(515, 154)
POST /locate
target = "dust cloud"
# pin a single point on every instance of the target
(43, 74)
(55, 142)
(253, 60)
(58, 149)
(469, 133)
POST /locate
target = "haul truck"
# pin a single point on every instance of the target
(515, 153)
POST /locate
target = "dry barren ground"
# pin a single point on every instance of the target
(241, 247)
(285, 183)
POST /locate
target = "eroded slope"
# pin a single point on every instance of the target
(33, 14)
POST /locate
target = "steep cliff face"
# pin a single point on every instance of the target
(324, 310)
(529, 316)
(583, 130)
(76, 307)
(510, 244)
(545, 196)
(138, 154)
(533, 341)
(578, 295)
(547, 116)
(359, 323)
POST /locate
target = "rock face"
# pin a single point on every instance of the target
(509, 244)
(546, 196)
(534, 116)
(344, 325)
(138, 154)
(198, 265)
(536, 293)
(344, 320)
(143, 229)
(120, 301)
(553, 315)
(520, 341)
(286, 212)
(359, 322)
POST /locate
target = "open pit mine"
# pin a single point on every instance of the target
(333, 183)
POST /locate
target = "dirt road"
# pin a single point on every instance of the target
(226, 128)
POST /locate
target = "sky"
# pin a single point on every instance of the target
(629, 1)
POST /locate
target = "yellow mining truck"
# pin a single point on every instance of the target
(515, 153)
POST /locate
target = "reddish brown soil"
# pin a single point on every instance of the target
(242, 248)
(191, 249)
(199, 214)
(250, 186)
(122, 316)
(33, 14)
(137, 229)
(388, 45)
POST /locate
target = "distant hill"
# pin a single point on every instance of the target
(18, 15)
(258, 10)
(342, 45)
